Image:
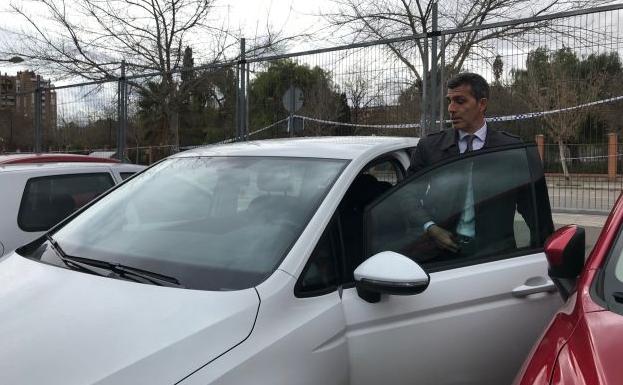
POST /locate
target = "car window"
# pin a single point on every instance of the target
(385, 171)
(126, 175)
(486, 203)
(609, 284)
(375, 179)
(215, 223)
(320, 276)
(48, 200)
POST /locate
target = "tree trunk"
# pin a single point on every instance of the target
(563, 162)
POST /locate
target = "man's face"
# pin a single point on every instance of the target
(466, 112)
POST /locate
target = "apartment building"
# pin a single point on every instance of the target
(17, 109)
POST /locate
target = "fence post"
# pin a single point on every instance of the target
(246, 102)
(425, 96)
(291, 110)
(612, 156)
(243, 87)
(442, 84)
(122, 113)
(434, 94)
(237, 107)
(38, 113)
(241, 100)
(540, 145)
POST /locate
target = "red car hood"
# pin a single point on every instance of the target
(593, 353)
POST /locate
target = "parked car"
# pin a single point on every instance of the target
(279, 262)
(39, 190)
(582, 343)
(52, 158)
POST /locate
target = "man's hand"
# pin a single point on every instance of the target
(443, 238)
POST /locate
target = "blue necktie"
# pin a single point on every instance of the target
(470, 142)
(466, 225)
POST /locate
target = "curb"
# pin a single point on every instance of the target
(581, 187)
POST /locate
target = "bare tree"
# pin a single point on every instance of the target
(555, 81)
(88, 39)
(361, 20)
(361, 95)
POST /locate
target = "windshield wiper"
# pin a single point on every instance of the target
(117, 268)
(68, 262)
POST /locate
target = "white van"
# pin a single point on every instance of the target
(36, 196)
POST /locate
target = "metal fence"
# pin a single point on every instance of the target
(591, 183)
(556, 75)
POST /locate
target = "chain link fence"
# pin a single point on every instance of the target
(558, 76)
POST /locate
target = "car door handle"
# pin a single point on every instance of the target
(531, 287)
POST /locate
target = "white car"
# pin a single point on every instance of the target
(278, 262)
(36, 196)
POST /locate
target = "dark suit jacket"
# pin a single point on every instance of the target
(494, 215)
(444, 144)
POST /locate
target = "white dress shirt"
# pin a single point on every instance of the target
(479, 140)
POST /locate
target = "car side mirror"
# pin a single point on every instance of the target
(565, 254)
(389, 273)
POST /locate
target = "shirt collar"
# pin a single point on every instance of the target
(481, 133)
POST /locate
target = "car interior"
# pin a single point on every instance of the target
(364, 189)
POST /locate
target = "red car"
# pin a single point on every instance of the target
(52, 158)
(583, 344)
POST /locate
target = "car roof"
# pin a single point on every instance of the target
(24, 167)
(52, 158)
(338, 147)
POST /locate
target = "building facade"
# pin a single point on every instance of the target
(18, 110)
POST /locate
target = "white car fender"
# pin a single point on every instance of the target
(295, 341)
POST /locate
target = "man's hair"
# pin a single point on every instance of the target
(478, 84)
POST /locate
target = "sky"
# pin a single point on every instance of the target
(289, 16)
(383, 74)
(292, 17)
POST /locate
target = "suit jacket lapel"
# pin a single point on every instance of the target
(449, 145)
(490, 139)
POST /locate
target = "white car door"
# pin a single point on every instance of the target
(299, 334)
(483, 309)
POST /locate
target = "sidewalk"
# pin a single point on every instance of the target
(585, 185)
(584, 220)
(584, 181)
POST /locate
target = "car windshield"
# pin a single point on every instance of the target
(609, 284)
(618, 264)
(215, 223)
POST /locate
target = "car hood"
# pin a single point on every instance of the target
(64, 327)
(592, 354)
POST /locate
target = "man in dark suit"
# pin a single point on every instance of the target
(465, 223)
